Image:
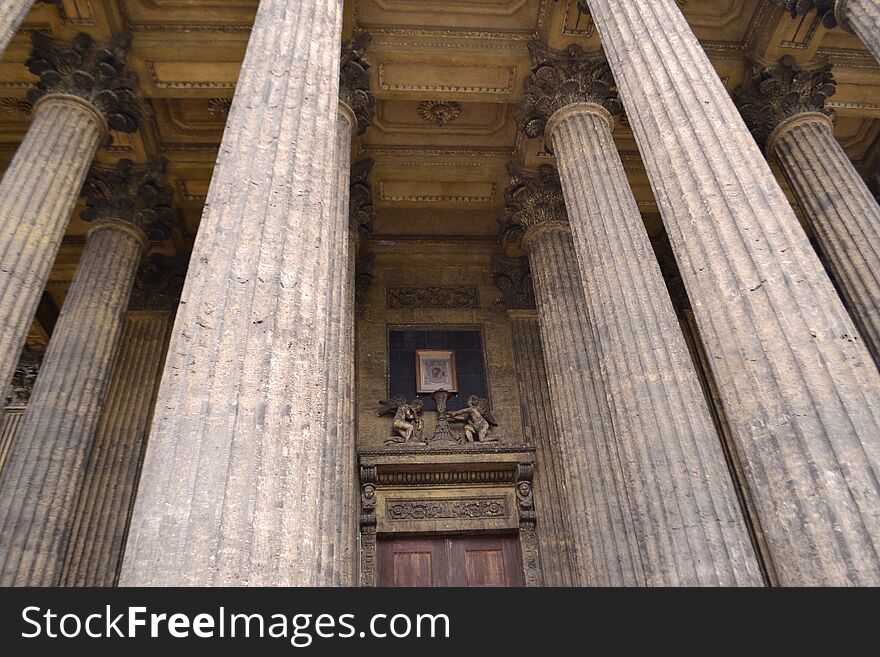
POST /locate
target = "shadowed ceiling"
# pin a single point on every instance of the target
(447, 75)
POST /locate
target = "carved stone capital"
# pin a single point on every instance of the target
(513, 278)
(94, 72)
(354, 81)
(363, 275)
(159, 282)
(560, 78)
(131, 194)
(824, 8)
(776, 94)
(361, 211)
(532, 201)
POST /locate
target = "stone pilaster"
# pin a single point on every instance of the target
(602, 529)
(798, 386)
(689, 527)
(861, 17)
(12, 13)
(84, 88)
(785, 108)
(41, 482)
(513, 278)
(94, 554)
(238, 483)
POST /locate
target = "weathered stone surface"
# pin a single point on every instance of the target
(554, 539)
(798, 385)
(785, 108)
(240, 480)
(94, 553)
(83, 87)
(12, 13)
(602, 528)
(42, 479)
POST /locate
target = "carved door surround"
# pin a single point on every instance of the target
(471, 490)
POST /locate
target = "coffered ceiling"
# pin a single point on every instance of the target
(447, 75)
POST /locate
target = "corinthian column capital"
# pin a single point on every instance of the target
(354, 81)
(513, 278)
(533, 205)
(92, 72)
(361, 211)
(773, 96)
(159, 282)
(824, 8)
(561, 79)
(132, 195)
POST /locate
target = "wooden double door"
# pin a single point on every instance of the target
(450, 561)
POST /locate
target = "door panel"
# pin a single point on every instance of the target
(451, 561)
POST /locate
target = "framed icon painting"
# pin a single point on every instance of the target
(435, 370)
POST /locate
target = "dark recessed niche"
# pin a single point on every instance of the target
(468, 347)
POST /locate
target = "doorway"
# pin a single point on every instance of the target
(489, 560)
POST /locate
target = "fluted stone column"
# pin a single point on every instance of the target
(40, 484)
(94, 553)
(785, 109)
(513, 278)
(356, 106)
(238, 484)
(605, 547)
(798, 385)
(690, 529)
(861, 17)
(12, 13)
(84, 88)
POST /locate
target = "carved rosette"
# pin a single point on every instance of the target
(361, 210)
(159, 282)
(560, 78)
(513, 278)
(778, 93)
(95, 72)
(824, 9)
(532, 201)
(354, 81)
(132, 194)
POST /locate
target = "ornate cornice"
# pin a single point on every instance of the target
(132, 194)
(354, 81)
(513, 278)
(159, 283)
(531, 201)
(776, 94)
(94, 72)
(361, 211)
(560, 78)
(824, 8)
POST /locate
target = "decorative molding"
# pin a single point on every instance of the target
(439, 112)
(508, 87)
(560, 78)
(131, 194)
(95, 72)
(773, 95)
(461, 296)
(447, 478)
(441, 509)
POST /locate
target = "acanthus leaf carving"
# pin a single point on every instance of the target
(513, 278)
(532, 200)
(354, 81)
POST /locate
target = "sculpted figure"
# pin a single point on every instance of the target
(477, 419)
(407, 423)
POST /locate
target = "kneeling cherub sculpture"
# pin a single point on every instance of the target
(407, 423)
(477, 420)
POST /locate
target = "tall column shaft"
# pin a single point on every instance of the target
(39, 191)
(602, 527)
(43, 476)
(841, 210)
(12, 13)
(689, 528)
(238, 472)
(554, 539)
(798, 386)
(862, 17)
(113, 467)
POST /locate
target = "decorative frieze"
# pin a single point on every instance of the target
(460, 296)
(440, 509)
